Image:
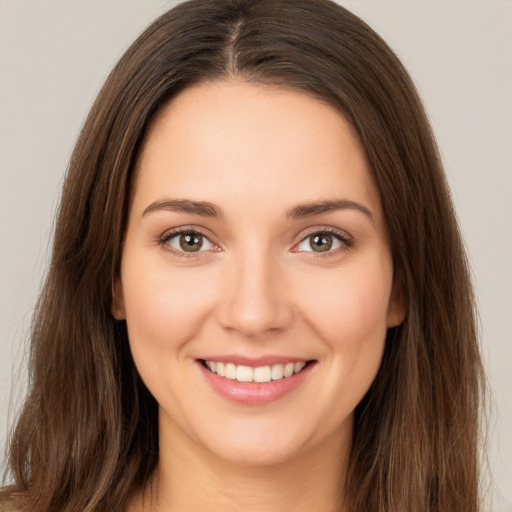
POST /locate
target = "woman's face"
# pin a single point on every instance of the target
(255, 249)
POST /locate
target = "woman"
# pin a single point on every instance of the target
(233, 341)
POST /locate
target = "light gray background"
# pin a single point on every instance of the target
(55, 54)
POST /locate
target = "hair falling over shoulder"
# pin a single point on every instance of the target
(87, 435)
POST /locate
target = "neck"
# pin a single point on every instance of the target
(190, 479)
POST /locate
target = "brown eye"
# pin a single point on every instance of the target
(321, 242)
(191, 242)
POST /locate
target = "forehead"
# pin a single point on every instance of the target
(252, 141)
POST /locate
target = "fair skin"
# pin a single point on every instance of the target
(255, 239)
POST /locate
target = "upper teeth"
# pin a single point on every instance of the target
(258, 374)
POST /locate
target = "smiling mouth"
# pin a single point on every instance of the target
(259, 374)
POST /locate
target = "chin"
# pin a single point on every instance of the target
(263, 444)
(255, 455)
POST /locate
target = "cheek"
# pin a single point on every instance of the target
(350, 305)
(348, 312)
(164, 308)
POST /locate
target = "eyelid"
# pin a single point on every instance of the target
(325, 228)
(345, 238)
(173, 232)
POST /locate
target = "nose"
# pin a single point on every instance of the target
(255, 302)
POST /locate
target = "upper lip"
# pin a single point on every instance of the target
(268, 360)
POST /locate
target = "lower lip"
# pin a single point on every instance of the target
(255, 393)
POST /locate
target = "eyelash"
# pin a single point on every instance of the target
(169, 235)
(346, 241)
(344, 238)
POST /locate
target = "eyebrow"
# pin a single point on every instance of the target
(203, 208)
(302, 211)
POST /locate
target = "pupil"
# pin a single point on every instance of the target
(321, 243)
(190, 242)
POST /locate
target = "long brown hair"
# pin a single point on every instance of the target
(87, 435)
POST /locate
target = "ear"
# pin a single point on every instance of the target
(397, 306)
(117, 307)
